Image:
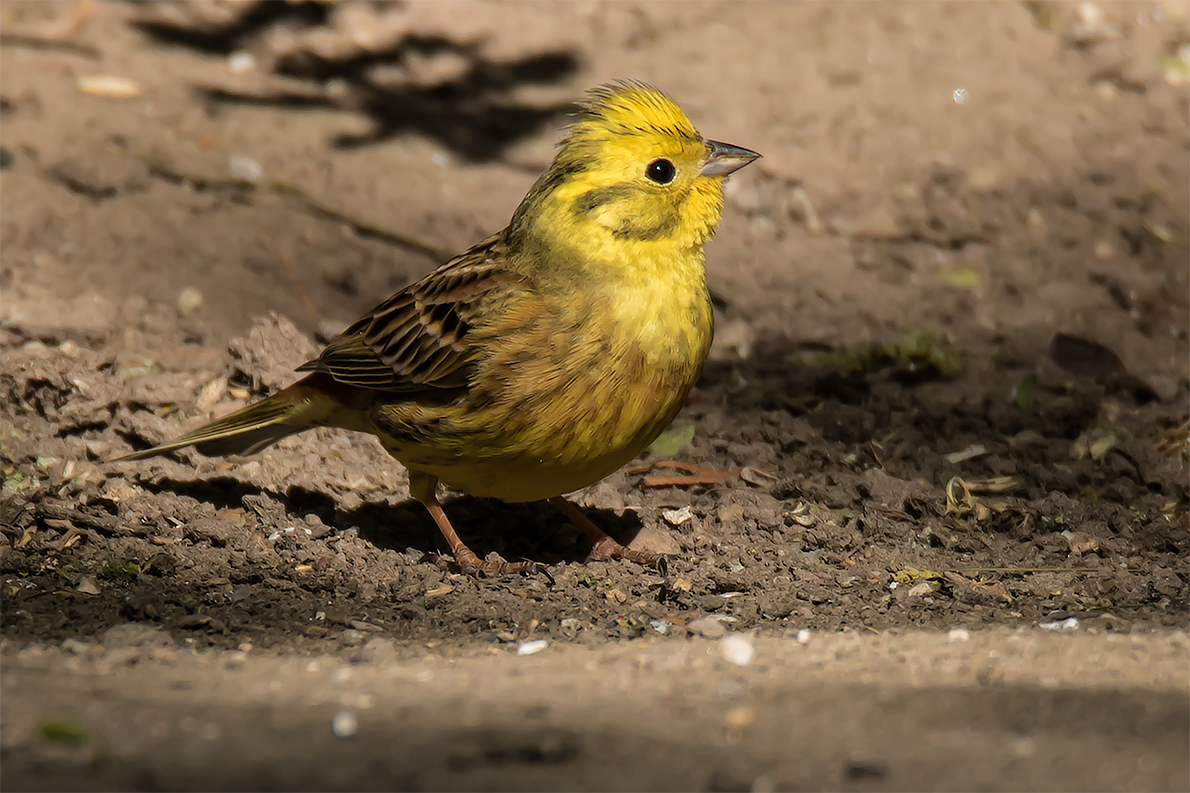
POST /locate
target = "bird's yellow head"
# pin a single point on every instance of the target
(631, 170)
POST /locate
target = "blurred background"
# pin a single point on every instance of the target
(971, 168)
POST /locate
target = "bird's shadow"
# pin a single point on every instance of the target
(237, 32)
(472, 113)
(533, 531)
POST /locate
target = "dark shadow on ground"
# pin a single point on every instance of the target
(472, 114)
(247, 593)
(535, 530)
(238, 32)
(883, 407)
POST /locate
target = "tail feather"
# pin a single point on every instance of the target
(255, 427)
(247, 442)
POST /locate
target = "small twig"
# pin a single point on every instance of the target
(695, 474)
(809, 216)
(107, 524)
(27, 536)
(36, 43)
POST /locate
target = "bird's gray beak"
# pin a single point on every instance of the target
(725, 158)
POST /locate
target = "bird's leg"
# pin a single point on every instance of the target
(424, 487)
(466, 559)
(605, 546)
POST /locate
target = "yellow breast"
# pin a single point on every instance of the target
(570, 388)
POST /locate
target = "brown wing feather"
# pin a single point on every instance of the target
(416, 340)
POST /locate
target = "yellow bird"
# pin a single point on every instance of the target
(548, 355)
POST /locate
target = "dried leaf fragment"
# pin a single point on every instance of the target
(1084, 357)
(695, 474)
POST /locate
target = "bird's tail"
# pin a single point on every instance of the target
(310, 402)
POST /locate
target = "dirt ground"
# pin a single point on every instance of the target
(932, 532)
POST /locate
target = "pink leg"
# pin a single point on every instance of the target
(605, 546)
(468, 562)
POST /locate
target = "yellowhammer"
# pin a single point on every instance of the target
(548, 355)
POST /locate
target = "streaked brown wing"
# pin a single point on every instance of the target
(417, 339)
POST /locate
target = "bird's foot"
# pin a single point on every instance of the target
(606, 548)
(603, 546)
(464, 559)
(467, 563)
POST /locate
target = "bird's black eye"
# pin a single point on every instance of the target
(660, 171)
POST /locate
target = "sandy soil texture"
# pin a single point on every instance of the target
(931, 530)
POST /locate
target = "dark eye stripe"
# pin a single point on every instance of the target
(591, 200)
(637, 230)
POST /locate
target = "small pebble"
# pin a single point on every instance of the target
(244, 168)
(921, 589)
(803, 636)
(676, 517)
(1091, 15)
(740, 718)
(1024, 746)
(241, 62)
(88, 586)
(1068, 624)
(958, 634)
(738, 649)
(189, 301)
(531, 647)
(351, 637)
(711, 627)
(344, 724)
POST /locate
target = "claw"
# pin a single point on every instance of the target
(479, 569)
(475, 567)
(549, 577)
